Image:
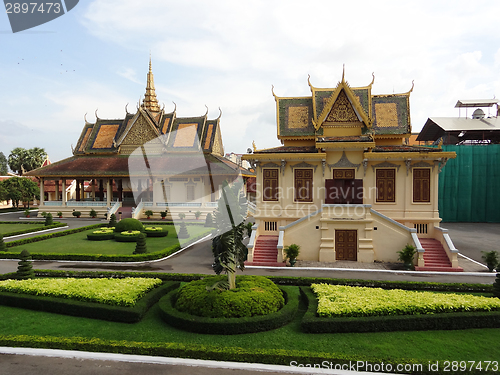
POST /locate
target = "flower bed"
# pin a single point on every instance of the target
(101, 234)
(118, 292)
(347, 301)
(156, 232)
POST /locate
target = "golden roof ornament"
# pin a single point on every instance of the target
(150, 101)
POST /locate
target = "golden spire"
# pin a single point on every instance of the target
(150, 101)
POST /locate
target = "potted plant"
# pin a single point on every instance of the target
(406, 256)
(148, 213)
(197, 214)
(93, 214)
(59, 214)
(292, 252)
(182, 215)
(77, 214)
(27, 212)
(163, 215)
(491, 259)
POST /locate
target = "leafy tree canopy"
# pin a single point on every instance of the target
(20, 189)
(23, 160)
(3, 165)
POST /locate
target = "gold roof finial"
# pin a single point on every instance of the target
(150, 101)
(343, 72)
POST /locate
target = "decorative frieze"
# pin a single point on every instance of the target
(344, 162)
(386, 164)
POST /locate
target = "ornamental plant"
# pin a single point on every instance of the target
(182, 215)
(406, 256)
(140, 247)
(491, 259)
(163, 214)
(209, 221)
(197, 214)
(131, 233)
(346, 301)
(183, 232)
(153, 229)
(93, 213)
(27, 212)
(119, 292)
(112, 221)
(59, 214)
(24, 268)
(48, 219)
(77, 213)
(128, 224)
(292, 252)
(148, 213)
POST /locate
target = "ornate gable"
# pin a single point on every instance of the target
(139, 131)
(342, 110)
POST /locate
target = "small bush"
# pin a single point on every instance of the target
(77, 213)
(163, 214)
(148, 213)
(92, 213)
(48, 219)
(197, 214)
(112, 221)
(25, 269)
(128, 224)
(183, 232)
(491, 259)
(253, 295)
(182, 215)
(209, 222)
(140, 247)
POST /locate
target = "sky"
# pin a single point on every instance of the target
(228, 54)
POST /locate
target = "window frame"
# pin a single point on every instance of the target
(385, 180)
(421, 199)
(309, 198)
(274, 196)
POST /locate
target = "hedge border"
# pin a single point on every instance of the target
(32, 230)
(311, 323)
(210, 352)
(405, 285)
(230, 326)
(100, 236)
(84, 309)
(91, 257)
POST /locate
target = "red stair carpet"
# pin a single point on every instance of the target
(435, 258)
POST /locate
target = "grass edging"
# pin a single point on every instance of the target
(311, 323)
(31, 230)
(88, 309)
(230, 326)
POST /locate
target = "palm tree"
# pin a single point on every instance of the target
(227, 246)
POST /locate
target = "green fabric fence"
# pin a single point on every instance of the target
(469, 186)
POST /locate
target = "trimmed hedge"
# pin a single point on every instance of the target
(405, 285)
(129, 224)
(253, 295)
(89, 257)
(100, 236)
(311, 323)
(126, 238)
(163, 233)
(32, 230)
(230, 326)
(88, 309)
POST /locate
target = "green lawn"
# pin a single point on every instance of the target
(465, 345)
(8, 228)
(77, 243)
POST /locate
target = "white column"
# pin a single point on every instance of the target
(63, 192)
(42, 193)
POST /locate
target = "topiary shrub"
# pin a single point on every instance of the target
(140, 247)
(496, 286)
(253, 295)
(128, 224)
(25, 269)
(209, 221)
(156, 232)
(48, 219)
(101, 234)
(112, 221)
(183, 232)
(2, 244)
(77, 213)
(93, 213)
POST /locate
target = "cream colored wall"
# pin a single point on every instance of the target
(306, 236)
(388, 239)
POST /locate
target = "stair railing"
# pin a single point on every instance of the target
(443, 237)
(251, 242)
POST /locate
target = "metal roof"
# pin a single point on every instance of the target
(436, 126)
(476, 103)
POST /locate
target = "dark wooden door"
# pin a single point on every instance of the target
(346, 244)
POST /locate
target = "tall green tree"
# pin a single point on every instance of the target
(20, 189)
(23, 160)
(228, 248)
(4, 168)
